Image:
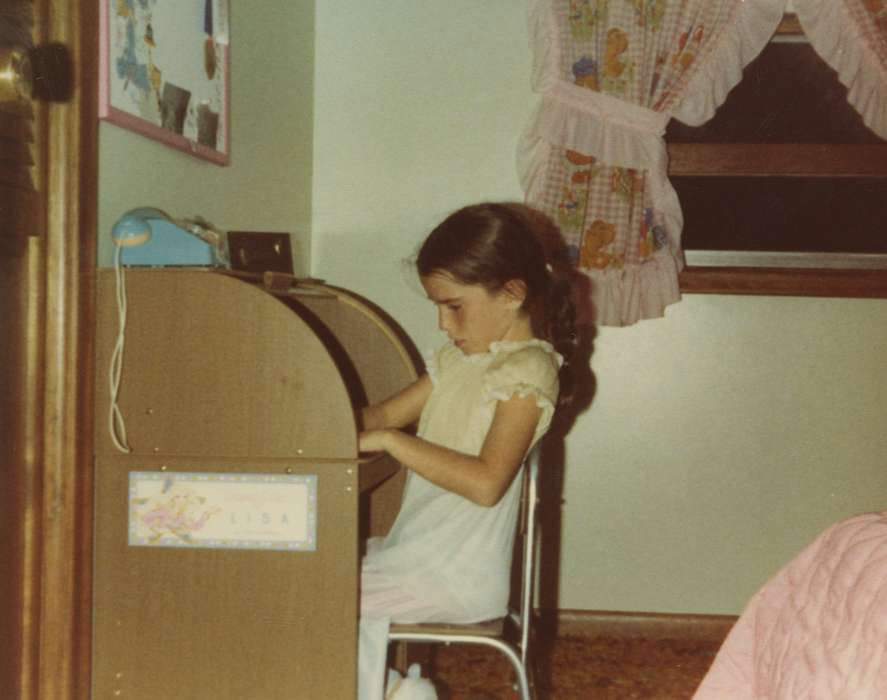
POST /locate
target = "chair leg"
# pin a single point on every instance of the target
(526, 676)
(528, 659)
(531, 677)
(522, 670)
(524, 686)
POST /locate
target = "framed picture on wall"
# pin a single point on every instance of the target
(165, 72)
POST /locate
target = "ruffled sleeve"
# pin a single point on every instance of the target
(531, 370)
(438, 361)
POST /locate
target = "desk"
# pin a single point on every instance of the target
(225, 384)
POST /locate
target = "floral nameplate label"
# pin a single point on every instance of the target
(223, 511)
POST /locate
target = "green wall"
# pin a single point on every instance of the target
(722, 438)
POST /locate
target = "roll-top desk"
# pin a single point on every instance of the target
(227, 541)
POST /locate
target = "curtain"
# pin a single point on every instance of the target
(851, 36)
(611, 74)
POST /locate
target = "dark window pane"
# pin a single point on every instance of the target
(788, 94)
(834, 215)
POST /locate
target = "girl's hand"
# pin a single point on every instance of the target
(400, 410)
(373, 441)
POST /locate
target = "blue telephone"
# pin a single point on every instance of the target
(149, 237)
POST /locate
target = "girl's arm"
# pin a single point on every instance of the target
(483, 479)
(399, 410)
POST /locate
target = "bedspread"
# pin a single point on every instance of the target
(818, 629)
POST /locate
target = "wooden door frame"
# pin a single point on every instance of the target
(57, 584)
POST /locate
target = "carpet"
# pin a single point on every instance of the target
(578, 668)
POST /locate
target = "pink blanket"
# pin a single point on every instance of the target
(818, 629)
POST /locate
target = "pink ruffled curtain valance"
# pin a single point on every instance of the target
(611, 74)
(851, 36)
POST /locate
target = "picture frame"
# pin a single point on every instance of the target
(164, 72)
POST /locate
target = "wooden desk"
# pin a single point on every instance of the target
(222, 377)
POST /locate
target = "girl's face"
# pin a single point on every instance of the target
(473, 317)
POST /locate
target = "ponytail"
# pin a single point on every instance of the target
(550, 306)
(555, 315)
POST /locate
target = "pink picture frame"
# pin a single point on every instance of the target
(164, 72)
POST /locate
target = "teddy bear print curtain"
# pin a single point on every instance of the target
(611, 73)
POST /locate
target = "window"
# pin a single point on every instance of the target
(784, 191)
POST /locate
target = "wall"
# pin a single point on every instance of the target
(721, 439)
(267, 186)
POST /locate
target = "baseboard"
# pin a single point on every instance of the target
(603, 623)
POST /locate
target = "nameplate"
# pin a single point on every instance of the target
(223, 511)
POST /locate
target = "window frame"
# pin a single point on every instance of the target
(778, 273)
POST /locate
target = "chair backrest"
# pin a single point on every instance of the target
(490, 633)
(529, 539)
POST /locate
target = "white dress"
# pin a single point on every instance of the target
(447, 559)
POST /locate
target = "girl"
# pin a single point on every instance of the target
(488, 396)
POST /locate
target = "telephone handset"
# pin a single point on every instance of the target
(149, 237)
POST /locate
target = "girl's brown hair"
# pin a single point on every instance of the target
(491, 244)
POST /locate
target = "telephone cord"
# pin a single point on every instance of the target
(117, 426)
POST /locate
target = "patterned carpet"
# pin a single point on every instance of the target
(576, 668)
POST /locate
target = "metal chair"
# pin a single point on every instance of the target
(511, 634)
